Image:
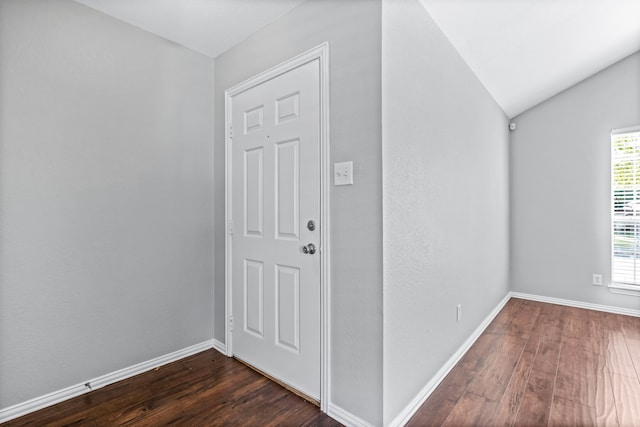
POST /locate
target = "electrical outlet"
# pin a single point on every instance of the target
(459, 312)
(597, 280)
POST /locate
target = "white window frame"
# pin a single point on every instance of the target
(628, 286)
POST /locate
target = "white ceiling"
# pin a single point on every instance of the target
(523, 51)
(206, 26)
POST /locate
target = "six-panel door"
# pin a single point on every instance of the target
(275, 193)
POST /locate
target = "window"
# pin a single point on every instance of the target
(625, 206)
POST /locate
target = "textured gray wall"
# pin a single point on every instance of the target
(353, 30)
(105, 197)
(560, 187)
(445, 197)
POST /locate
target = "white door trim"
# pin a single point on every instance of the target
(320, 53)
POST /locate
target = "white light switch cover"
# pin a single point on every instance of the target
(343, 173)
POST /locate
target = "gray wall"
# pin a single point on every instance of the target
(560, 187)
(353, 30)
(445, 198)
(105, 187)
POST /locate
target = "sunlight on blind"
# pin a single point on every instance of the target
(625, 206)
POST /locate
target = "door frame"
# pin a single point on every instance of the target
(320, 53)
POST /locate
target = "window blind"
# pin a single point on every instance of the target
(625, 206)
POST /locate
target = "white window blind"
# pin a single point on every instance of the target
(625, 206)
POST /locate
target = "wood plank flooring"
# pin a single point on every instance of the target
(542, 364)
(207, 389)
(535, 365)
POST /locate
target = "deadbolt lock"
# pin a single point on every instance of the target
(311, 225)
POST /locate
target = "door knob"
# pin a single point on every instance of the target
(309, 249)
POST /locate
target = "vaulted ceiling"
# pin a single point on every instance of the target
(523, 51)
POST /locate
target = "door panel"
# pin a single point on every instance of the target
(288, 307)
(275, 191)
(287, 190)
(253, 297)
(253, 189)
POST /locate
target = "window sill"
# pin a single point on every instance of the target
(624, 289)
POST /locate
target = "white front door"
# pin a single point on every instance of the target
(275, 212)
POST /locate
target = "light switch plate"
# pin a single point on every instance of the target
(343, 173)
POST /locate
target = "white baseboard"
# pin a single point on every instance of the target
(334, 411)
(222, 348)
(58, 396)
(345, 417)
(578, 304)
(405, 415)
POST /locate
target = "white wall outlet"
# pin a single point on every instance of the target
(343, 173)
(597, 280)
(459, 312)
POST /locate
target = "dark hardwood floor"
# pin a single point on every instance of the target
(535, 365)
(207, 389)
(542, 364)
